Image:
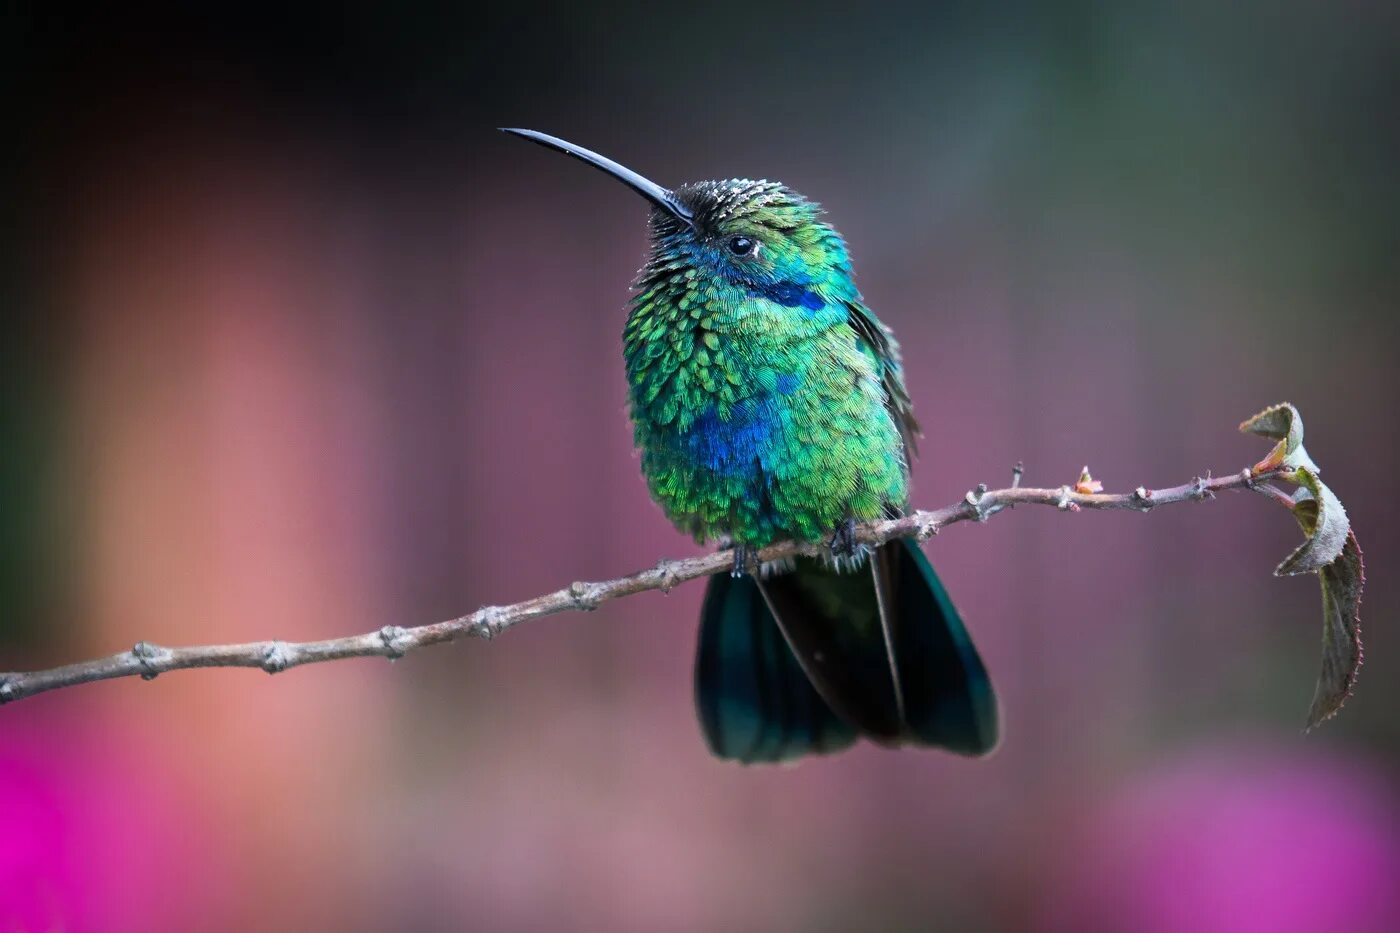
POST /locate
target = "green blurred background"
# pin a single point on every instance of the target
(297, 345)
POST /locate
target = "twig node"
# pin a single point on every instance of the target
(667, 570)
(488, 622)
(393, 637)
(584, 595)
(147, 655)
(276, 657)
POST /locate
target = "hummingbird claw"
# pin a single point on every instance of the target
(741, 561)
(843, 542)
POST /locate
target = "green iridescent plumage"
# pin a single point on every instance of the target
(760, 385)
(769, 403)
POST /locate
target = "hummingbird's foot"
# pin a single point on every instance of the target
(742, 554)
(843, 542)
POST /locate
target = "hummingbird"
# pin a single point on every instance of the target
(768, 403)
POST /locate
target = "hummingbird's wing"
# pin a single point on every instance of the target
(877, 340)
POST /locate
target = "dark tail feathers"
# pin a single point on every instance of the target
(802, 663)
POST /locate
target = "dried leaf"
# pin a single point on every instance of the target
(1284, 424)
(1086, 484)
(1342, 583)
(1323, 520)
(1330, 551)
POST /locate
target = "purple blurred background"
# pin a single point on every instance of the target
(298, 346)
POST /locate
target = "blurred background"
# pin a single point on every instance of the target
(297, 345)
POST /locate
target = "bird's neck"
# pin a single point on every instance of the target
(733, 307)
(696, 345)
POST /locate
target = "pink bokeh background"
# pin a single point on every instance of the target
(311, 375)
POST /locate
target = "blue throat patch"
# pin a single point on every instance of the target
(787, 294)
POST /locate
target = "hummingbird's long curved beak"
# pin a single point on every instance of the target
(663, 198)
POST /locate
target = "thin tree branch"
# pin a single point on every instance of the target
(146, 660)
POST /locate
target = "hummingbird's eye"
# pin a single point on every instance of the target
(741, 245)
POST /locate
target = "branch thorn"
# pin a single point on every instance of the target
(1201, 488)
(1016, 472)
(975, 498)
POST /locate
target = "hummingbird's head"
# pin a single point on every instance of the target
(759, 236)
